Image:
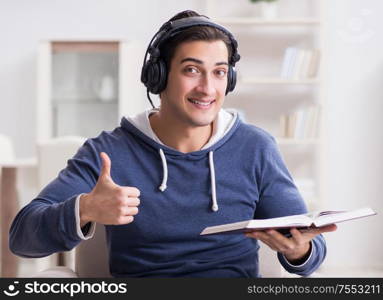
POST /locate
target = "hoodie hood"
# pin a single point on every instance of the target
(223, 127)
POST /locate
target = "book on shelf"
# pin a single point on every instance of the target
(299, 63)
(313, 65)
(301, 124)
(290, 52)
(283, 224)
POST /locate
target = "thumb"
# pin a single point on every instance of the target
(106, 164)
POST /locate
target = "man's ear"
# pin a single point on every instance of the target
(161, 95)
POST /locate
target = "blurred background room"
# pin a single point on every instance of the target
(311, 74)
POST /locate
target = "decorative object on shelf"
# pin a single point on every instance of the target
(300, 63)
(301, 124)
(105, 89)
(266, 9)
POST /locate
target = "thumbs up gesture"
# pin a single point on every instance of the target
(109, 203)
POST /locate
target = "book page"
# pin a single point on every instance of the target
(288, 221)
(331, 217)
(316, 214)
(281, 222)
(299, 221)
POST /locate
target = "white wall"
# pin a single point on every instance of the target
(24, 23)
(354, 80)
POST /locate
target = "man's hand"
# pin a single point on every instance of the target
(109, 203)
(294, 248)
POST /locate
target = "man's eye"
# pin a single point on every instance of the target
(191, 70)
(221, 73)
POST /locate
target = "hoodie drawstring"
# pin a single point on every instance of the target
(163, 185)
(214, 205)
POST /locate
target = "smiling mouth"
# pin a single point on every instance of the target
(201, 103)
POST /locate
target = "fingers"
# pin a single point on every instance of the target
(281, 242)
(299, 238)
(127, 193)
(113, 204)
(312, 232)
(106, 164)
(126, 203)
(274, 240)
(271, 245)
(129, 211)
(126, 213)
(132, 202)
(129, 206)
(328, 228)
(131, 191)
(297, 244)
(124, 220)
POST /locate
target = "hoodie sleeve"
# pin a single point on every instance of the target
(278, 196)
(48, 223)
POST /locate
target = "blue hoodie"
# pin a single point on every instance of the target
(237, 177)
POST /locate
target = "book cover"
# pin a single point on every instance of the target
(315, 219)
(313, 68)
(298, 64)
(289, 52)
(306, 63)
(291, 62)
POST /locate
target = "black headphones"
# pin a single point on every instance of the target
(154, 72)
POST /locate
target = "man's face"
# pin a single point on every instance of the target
(196, 82)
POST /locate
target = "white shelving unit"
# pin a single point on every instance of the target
(299, 24)
(86, 86)
(262, 95)
(259, 21)
(284, 141)
(270, 80)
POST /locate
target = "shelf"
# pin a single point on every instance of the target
(270, 80)
(20, 163)
(292, 141)
(85, 46)
(276, 22)
(83, 101)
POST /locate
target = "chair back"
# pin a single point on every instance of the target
(6, 149)
(52, 155)
(269, 265)
(91, 256)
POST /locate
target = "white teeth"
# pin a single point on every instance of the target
(200, 103)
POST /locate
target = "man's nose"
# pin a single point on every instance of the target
(206, 85)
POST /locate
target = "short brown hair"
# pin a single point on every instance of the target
(195, 33)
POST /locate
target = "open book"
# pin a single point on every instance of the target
(316, 219)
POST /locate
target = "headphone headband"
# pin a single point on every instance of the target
(172, 28)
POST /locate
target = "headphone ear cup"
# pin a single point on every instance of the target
(231, 79)
(162, 76)
(154, 76)
(144, 73)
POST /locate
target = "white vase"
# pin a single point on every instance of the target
(106, 89)
(268, 10)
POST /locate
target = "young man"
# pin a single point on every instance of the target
(187, 165)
